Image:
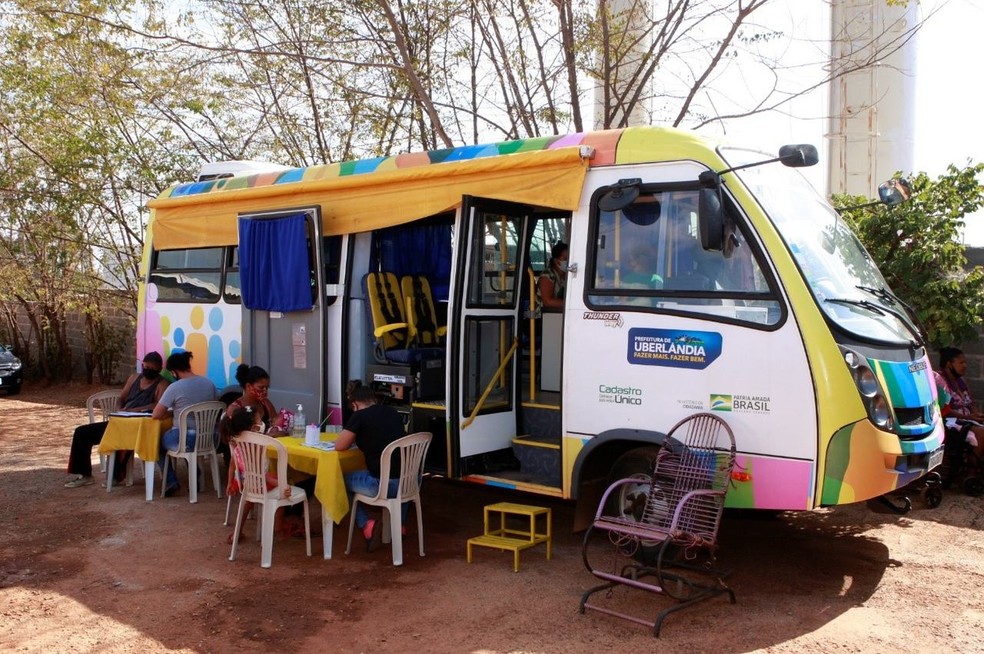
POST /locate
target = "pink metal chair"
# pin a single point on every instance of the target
(670, 548)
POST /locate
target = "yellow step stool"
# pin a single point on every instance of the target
(510, 538)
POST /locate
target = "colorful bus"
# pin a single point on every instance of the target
(701, 277)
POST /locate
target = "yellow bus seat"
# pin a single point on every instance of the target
(421, 317)
(385, 308)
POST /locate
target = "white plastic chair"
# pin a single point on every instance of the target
(206, 416)
(413, 451)
(105, 403)
(254, 449)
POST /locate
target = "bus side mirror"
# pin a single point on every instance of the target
(710, 219)
(894, 191)
(799, 156)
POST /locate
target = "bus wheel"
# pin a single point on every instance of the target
(630, 500)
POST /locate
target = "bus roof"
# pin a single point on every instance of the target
(358, 196)
(236, 168)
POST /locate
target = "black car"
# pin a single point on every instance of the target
(10, 371)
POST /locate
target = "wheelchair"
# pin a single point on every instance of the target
(961, 465)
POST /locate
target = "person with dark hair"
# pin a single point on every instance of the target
(372, 427)
(961, 409)
(187, 390)
(141, 392)
(255, 382)
(552, 284)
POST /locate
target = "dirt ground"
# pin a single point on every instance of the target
(86, 571)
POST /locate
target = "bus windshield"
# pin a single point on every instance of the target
(844, 280)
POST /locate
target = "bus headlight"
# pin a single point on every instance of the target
(875, 402)
(866, 382)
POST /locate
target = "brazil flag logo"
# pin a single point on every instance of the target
(720, 403)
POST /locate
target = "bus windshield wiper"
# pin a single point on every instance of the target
(889, 296)
(882, 311)
(870, 306)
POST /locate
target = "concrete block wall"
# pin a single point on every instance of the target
(79, 346)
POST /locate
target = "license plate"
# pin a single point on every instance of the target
(935, 458)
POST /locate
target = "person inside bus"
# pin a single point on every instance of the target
(187, 390)
(552, 283)
(371, 427)
(640, 272)
(961, 409)
(141, 392)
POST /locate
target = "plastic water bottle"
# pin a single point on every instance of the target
(299, 422)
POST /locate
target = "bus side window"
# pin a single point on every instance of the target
(648, 256)
(331, 261)
(189, 275)
(232, 291)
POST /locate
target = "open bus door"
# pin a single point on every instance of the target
(483, 345)
(290, 345)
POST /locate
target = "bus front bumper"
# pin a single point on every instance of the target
(863, 462)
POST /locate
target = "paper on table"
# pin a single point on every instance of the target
(329, 446)
(130, 414)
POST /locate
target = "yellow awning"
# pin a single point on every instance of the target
(360, 203)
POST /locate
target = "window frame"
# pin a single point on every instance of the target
(221, 270)
(700, 298)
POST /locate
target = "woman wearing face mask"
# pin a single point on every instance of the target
(141, 392)
(255, 382)
(553, 281)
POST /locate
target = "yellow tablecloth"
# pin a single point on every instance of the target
(140, 434)
(329, 466)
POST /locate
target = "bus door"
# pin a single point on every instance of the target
(483, 346)
(289, 344)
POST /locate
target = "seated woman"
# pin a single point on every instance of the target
(552, 283)
(961, 408)
(141, 392)
(256, 386)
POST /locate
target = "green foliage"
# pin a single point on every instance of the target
(918, 247)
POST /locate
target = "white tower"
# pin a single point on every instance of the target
(628, 20)
(872, 110)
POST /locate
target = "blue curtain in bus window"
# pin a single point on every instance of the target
(417, 250)
(273, 264)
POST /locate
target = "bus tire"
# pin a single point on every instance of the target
(630, 500)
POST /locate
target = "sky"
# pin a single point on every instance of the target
(949, 93)
(950, 98)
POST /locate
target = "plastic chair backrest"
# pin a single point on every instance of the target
(420, 310)
(386, 307)
(203, 417)
(413, 451)
(104, 401)
(254, 450)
